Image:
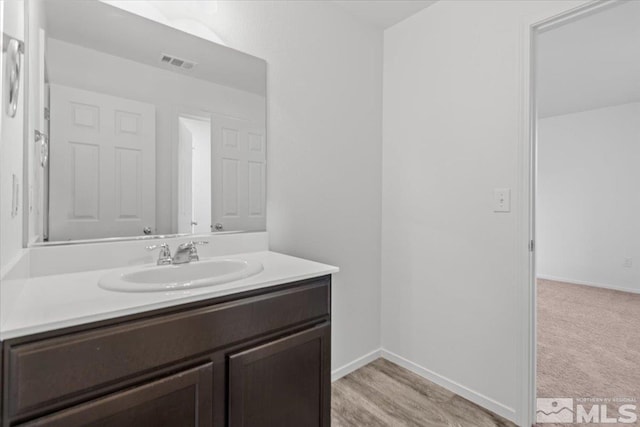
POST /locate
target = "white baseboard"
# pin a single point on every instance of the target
(586, 283)
(336, 374)
(473, 396)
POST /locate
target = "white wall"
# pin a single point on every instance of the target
(588, 204)
(323, 147)
(4, 177)
(451, 292)
(11, 148)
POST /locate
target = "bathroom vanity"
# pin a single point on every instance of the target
(255, 356)
(133, 144)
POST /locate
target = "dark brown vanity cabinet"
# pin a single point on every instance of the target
(279, 383)
(260, 358)
(179, 400)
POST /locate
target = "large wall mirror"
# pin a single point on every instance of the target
(145, 130)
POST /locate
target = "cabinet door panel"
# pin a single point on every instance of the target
(285, 382)
(180, 400)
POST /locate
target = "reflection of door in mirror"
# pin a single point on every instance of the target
(102, 169)
(194, 174)
(239, 163)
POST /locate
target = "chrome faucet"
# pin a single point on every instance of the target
(187, 252)
(165, 253)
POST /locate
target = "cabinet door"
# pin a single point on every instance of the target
(179, 400)
(285, 382)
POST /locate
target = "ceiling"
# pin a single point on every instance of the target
(383, 13)
(590, 63)
(114, 31)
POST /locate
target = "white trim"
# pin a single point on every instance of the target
(587, 283)
(526, 291)
(336, 374)
(459, 389)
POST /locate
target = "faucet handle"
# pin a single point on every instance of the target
(164, 257)
(161, 245)
(191, 244)
(193, 255)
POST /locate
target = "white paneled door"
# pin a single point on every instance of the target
(238, 174)
(102, 165)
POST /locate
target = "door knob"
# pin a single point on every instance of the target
(146, 230)
(218, 227)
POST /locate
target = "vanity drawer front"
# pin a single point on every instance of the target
(58, 371)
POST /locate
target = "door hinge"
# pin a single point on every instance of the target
(532, 246)
(47, 114)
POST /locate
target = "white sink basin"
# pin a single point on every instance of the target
(179, 277)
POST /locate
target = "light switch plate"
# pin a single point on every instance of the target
(502, 200)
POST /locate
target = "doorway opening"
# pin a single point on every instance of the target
(587, 216)
(194, 174)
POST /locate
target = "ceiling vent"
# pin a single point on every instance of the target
(177, 62)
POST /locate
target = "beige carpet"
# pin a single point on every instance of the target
(588, 342)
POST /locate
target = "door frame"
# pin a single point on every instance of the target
(527, 185)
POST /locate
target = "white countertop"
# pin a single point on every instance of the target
(49, 302)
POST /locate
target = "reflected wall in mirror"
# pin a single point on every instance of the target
(152, 131)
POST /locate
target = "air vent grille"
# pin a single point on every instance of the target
(177, 62)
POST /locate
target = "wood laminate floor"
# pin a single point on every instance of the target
(384, 394)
